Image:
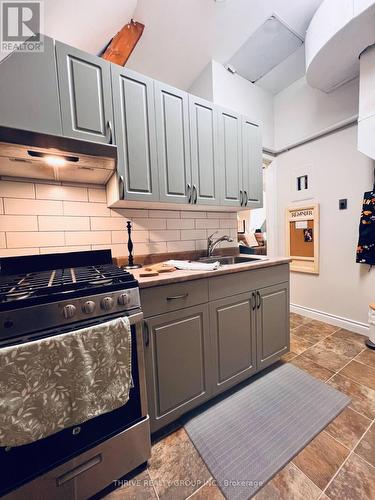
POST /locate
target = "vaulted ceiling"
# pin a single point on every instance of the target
(181, 36)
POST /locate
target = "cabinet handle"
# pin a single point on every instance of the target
(110, 132)
(259, 301)
(253, 301)
(195, 194)
(188, 192)
(176, 297)
(241, 197)
(146, 332)
(122, 187)
(246, 198)
(68, 476)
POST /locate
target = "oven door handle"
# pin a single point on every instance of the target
(68, 476)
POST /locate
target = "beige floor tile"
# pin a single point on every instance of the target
(362, 397)
(321, 458)
(298, 345)
(366, 447)
(355, 481)
(312, 368)
(289, 483)
(367, 357)
(137, 488)
(348, 427)
(176, 467)
(328, 359)
(360, 373)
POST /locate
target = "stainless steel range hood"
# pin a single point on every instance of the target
(41, 156)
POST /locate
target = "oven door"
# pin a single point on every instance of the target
(23, 463)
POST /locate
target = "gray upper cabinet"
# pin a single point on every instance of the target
(252, 175)
(232, 328)
(134, 111)
(176, 350)
(272, 324)
(29, 97)
(230, 157)
(204, 152)
(85, 95)
(173, 144)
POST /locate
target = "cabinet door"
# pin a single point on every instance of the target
(85, 95)
(29, 97)
(272, 324)
(176, 352)
(204, 152)
(230, 158)
(252, 171)
(133, 104)
(172, 131)
(232, 328)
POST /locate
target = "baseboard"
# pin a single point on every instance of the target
(332, 319)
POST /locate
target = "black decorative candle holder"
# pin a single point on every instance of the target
(130, 264)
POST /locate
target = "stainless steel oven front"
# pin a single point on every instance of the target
(79, 461)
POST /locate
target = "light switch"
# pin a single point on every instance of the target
(343, 204)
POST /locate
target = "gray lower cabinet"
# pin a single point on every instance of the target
(233, 337)
(85, 95)
(133, 104)
(176, 352)
(252, 165)
(272, 319)
(230, 160)
(173, 144)
(204, 152)
(29, 96)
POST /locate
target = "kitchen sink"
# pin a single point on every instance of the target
(230, 259)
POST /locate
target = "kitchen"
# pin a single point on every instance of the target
(166, 162)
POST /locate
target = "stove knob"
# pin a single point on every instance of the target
(88, 307)
(107, 303)
(69, 311)
(124, 299)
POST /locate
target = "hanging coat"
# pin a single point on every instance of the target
(366, 242)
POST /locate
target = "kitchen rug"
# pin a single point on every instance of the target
(248, 437)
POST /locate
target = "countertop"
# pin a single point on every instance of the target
(180, 276)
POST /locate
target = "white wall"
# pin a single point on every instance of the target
(301, 111)
(343, 288)
(203, 84)
(234, 92)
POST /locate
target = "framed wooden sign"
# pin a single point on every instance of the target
(302, 238)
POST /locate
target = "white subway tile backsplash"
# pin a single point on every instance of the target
(167, 235)
(88, 237)
(142, 223)
(193, 234)
(180, 246)
(51, 217)
(34, 239)
(14, 252)
(18, 223)
(97, 195)
(86, 209)
(53, 192)
(193, 215)
(33, 207)
(10, 189)
(107, 223)
(164, 214)
(63, 223)
(180, 223)
(207, 223)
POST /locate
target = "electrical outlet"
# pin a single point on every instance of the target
(343, 204)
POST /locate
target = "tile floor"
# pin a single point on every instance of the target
(338, 464)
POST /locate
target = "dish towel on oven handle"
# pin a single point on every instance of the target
(366, 241)
(50, 384)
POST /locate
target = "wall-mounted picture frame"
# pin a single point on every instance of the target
(302, 237)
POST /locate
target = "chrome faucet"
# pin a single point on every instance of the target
(212, 244)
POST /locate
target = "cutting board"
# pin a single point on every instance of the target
(156, 269)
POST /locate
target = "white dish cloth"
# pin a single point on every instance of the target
(193, 266)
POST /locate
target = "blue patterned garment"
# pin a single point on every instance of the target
(366, 242)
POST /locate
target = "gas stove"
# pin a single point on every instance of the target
(43, 292)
